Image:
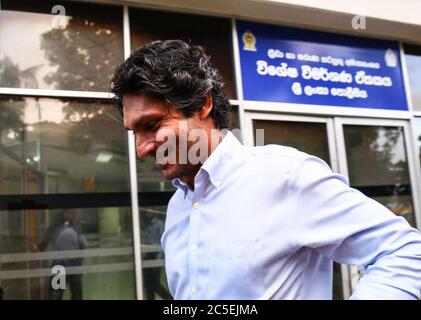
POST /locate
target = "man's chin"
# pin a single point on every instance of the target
(169, 171)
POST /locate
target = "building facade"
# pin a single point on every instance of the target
(72, 191)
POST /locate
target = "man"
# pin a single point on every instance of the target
(65, 237)
(252, 222)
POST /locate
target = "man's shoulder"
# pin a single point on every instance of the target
(280, 152)
(175, 198)
(274, 157)
(254, 162)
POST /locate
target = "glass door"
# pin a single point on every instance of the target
(313, 135)
(376, 156)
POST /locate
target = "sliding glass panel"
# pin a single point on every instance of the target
(378, 166)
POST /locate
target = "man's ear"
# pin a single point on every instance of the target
(206, 109)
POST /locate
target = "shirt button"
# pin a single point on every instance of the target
(218, 183)
(193, 248)
(196, 205)
(193, 291)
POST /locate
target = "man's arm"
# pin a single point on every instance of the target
(46, 238)
(348, 227)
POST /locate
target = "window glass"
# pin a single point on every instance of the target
(378, 166)
(155, 285)
(51, 146)
(74, 51)
(154, 194)
(413, 64)
(214, 34)
(309, 137)
(90, 249)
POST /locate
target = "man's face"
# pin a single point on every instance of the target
(150, 119)
(70, 215)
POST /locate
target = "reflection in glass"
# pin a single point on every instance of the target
(308, 137)
(94, 246)
(64, 236)
(75, 51)
(378, 166)
(154, 277)
(214, 34)
(152, 185)
(413, 64)
(61, 146)
(337, 292)
(150, 178)
(235, 122)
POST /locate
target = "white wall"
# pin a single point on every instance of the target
(388, 19)
(406, 11)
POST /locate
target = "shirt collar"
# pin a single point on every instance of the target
(177, 183)
(216, 164)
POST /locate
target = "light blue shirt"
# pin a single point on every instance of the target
(267, 222)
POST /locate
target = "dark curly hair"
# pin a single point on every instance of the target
(177, 73)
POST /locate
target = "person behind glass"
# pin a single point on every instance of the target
(154, 228)
(262, 222)
(63, 237)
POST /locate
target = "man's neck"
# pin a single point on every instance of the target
(213, 142)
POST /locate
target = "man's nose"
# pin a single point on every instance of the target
(145, 147)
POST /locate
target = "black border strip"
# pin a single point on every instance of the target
(122, 199)
(385, 190)
(80, 200)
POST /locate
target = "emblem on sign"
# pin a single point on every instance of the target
(249, 41)
(297, 89)
(390, 58)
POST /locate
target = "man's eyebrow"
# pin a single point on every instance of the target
(145, 119)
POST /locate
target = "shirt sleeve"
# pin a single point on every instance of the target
(343, 224)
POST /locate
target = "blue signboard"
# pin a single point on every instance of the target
(280, 64)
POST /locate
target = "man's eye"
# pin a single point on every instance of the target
(151, 125)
